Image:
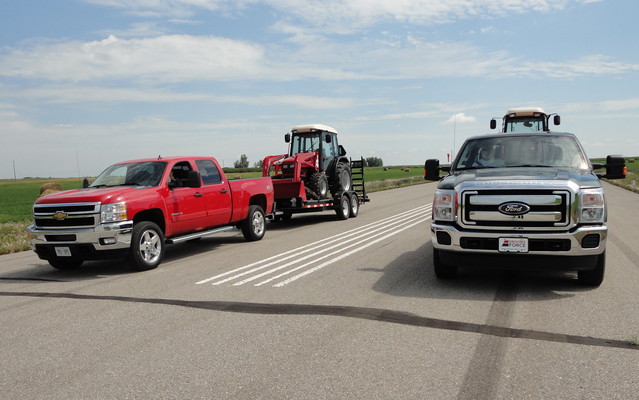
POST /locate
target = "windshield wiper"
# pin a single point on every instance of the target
(98, 186)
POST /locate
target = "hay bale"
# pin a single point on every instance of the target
(49, 191)
(406, 169)
(56, 187)
(386, 168)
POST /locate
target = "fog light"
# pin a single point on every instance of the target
(108, 241)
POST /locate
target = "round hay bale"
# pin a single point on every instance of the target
(406, 169)
(386, 168)
(50, 186)
(49, 191)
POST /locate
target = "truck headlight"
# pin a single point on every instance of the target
(444, 205)
(592, 206)
(113, 212)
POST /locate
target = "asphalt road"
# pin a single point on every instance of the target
(322, 309)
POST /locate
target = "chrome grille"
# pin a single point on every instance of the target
(72, 215)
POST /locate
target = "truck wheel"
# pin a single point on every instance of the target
(344, 209)
(443, 271)
(318, 183)
(62, 264)
(595, 276)
(147, 246)
(354, 206)
(342, 179)
(254, 225)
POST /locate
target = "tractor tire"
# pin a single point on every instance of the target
(147, 246)
(318, 183)
(344, 209)
(342, 181)
(254, 226)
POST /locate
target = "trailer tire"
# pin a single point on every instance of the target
(147, 246)
(64, 265)
(354, 210)
(254, 226)
(343, 211)
(318, 183)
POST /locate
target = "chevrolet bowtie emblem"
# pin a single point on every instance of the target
(60, 215)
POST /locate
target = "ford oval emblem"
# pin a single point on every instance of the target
(514, 208)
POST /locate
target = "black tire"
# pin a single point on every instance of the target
(342, 181)
(595, 276)
(254, 226)
(318, 183)
(64, 264)
(443, 271)
(147, 246)
(354, 210)
(344, 209)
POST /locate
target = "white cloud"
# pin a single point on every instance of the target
(460, 118)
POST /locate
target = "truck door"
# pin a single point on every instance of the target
(217, 193)
(186, 205)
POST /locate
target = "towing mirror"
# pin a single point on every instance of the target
(615, 167)
(431, 170)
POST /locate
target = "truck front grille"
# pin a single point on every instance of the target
(75, 215)
(547, 208)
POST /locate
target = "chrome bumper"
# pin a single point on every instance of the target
(115, 236)
(575, 238)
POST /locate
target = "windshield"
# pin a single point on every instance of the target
(134, 174)
(524, 124)
(522, 151)
(305, 143)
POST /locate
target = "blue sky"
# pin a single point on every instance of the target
(86, 83)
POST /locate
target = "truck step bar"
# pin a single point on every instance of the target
(357, 178)
(196, 235)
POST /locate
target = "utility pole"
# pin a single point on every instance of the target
(15, 178)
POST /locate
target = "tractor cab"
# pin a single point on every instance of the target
(319, 139)
(526, 119)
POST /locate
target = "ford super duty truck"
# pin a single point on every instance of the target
(135, 208)
(521, 200)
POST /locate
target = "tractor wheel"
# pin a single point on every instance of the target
(344, 209)
(318, 183)
(342, 178)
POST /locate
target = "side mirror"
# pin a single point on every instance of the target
(615, 167)
(431, 170)
(287, 138)
(327, 138)
(85, 183)
(493, 124)
(193, 179)
(556, 120)
(342, 151)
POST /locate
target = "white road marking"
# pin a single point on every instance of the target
(361, 236)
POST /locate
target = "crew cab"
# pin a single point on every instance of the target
(521, 200)
(134, 208)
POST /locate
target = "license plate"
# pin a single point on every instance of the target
(513, 245)
(63, 252)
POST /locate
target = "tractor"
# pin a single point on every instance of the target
(526, 119)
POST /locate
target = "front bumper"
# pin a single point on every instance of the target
(99, 242)
(573, 250)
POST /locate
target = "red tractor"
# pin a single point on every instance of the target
(315, 174)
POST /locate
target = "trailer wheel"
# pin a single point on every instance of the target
(342, 179)
(344, 209)
(62, 264)
(594, 277)
(254, 225)
(147, 246)
(354, 210)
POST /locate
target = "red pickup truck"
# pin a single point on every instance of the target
(134, 208)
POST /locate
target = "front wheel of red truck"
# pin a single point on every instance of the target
(254, 225)
(147, 246)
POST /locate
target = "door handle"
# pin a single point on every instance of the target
(198, 194)
(224, 191)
